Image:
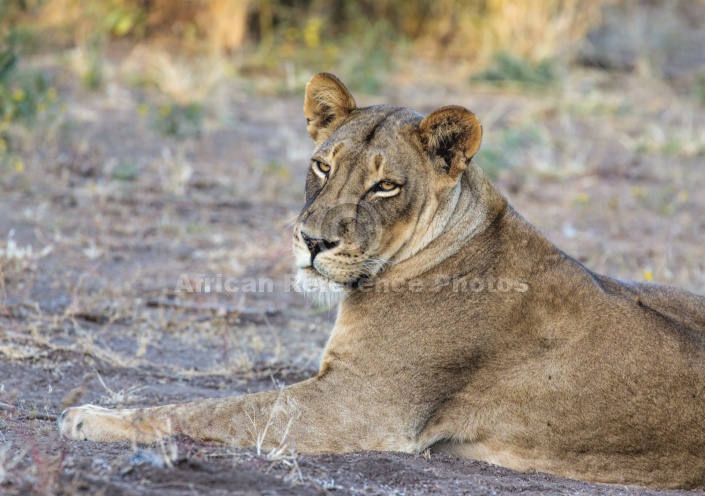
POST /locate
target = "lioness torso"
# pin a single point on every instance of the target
(574, 373)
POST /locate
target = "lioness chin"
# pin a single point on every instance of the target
(461, 328)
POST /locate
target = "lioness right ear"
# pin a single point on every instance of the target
(326, 105)
(451, 136)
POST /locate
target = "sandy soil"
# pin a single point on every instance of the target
(610, 168)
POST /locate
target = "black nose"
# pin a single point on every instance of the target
(316, 246)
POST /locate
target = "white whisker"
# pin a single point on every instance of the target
(290, 222)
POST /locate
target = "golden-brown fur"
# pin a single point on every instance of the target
(461, 328)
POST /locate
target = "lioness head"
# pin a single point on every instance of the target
(380, 184)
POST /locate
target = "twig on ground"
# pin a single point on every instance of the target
(33, 415)
(254, 315)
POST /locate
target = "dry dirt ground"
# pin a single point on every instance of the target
(609, 166)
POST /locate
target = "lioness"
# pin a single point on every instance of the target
(543, 365)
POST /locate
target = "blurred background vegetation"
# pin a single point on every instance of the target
(509, 39)
(474, 30)
(184, 48)
(502, 42)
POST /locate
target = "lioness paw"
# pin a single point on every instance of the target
(94, 423)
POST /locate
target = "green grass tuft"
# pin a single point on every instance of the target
(507, 68)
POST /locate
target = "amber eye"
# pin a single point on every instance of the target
(386, 188)
(321, 169)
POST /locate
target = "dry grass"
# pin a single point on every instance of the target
(183, 80)
(530, 30)
(541, 30)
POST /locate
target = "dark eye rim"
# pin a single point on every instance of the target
(378, 187)
(318, 165)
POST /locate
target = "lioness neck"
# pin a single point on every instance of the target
(462, 213)
(479, 205)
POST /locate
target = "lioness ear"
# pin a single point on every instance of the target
(451, 136)
(326, 105)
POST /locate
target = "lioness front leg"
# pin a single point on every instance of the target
(314, 416)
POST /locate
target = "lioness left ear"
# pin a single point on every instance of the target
(451, 136)
(326, 105)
